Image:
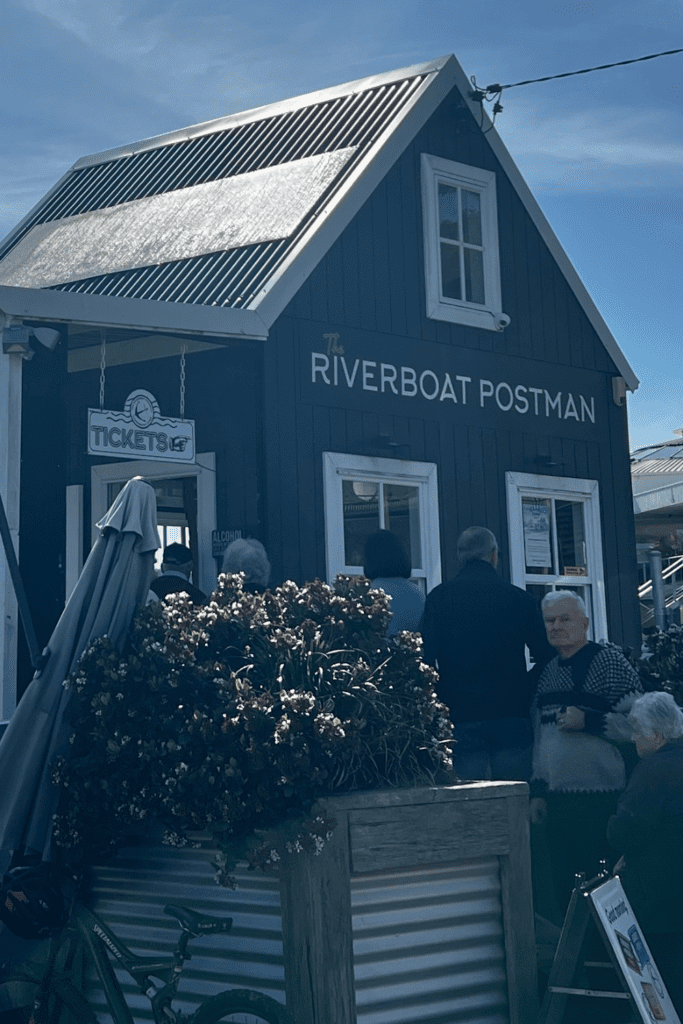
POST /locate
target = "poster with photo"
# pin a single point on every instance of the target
(622, 931)
(536, 518)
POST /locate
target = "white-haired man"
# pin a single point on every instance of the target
(579, 715)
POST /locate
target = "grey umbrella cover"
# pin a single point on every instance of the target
(111, 588)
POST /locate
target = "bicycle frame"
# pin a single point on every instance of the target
(98, 938)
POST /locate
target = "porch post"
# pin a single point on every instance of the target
(10, 482)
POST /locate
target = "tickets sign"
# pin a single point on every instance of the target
(140, 432)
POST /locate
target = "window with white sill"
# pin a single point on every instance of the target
(462, 268)
(364, 494)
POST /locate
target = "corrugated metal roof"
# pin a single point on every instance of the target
(346, 125)
(378, 115)
(651, 467)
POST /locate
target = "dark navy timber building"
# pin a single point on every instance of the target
(303, 322)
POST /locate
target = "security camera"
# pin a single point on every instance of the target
(501, 320)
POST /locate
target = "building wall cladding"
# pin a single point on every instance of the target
(371, 285)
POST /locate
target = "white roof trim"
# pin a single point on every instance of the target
(260, 113)
(548, 235)
(140, 314)
(445, 73)
(359, 186)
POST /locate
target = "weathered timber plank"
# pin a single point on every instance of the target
(315, 896)
(434, 833)
(464, 793)
(518, 916)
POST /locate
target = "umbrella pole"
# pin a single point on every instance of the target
(26, 620)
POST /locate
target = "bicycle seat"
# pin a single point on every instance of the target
(198, 924)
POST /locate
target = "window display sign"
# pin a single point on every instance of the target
(536, 517)
(630, 952)
(140, 432)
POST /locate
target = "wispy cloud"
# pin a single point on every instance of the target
(608, 148)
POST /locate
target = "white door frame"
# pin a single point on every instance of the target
(519, 485)
(205, 472)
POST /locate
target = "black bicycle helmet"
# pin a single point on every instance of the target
(31, 904)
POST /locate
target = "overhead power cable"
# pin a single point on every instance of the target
(494, 92)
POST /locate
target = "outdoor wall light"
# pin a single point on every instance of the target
(16, 341)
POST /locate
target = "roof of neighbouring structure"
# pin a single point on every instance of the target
(657, 477)
(234, 214)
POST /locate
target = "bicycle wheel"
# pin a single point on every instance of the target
(241, 1006)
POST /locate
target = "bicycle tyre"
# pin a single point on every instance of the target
(241, 1006)
(64, 997)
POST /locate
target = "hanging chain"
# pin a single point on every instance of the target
(103, 364)
(182, 381)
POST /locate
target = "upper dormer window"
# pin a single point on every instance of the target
(461, 244)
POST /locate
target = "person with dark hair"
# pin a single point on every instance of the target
(388, 568)
(475, 628)
(176, 570)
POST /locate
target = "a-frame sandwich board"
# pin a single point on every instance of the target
(602, 901)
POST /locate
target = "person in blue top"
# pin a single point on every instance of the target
(388, 568)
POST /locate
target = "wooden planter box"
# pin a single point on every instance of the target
(418, 909)
(419, 905)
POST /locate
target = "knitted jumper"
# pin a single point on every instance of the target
(584, 761)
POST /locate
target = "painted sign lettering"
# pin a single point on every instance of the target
(339, 371)
(140, 432)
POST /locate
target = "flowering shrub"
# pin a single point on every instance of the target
(237, 716)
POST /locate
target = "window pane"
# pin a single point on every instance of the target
(538, 540)
(571, 538)
(450, 271)
(402, 517)
(361, 517)
(471, 217)
(474, 276)
(448, 212)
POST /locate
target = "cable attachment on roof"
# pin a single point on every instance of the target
(491, 94)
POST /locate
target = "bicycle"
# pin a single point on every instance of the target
(45, 992)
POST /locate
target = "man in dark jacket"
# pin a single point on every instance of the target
(475, 628)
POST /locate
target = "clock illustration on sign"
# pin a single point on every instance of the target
(143, 408)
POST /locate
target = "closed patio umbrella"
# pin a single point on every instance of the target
(112, 586)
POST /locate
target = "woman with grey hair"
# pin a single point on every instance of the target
(248, 556)
(647, 830)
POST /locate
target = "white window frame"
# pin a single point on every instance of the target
(522, 485)
(338, 467)
(439, 307)
(204, 470)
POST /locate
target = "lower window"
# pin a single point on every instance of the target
(365, 494)
(555, 540)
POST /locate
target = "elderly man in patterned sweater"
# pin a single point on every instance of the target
(580, 714)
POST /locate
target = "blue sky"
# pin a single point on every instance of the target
(603, 153)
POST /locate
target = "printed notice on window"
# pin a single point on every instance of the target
(536, 518)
